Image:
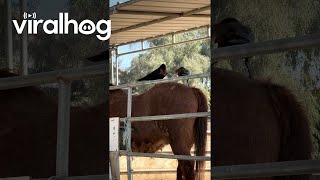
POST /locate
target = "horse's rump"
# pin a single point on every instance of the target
(256, 122)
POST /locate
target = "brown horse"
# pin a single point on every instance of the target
(28, 122)
(181, 134)
(256, 122)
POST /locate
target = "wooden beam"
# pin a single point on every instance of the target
(162, 19)
(129, 12)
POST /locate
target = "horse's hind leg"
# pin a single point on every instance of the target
(179, 172)
(185, 170)
(181, 146)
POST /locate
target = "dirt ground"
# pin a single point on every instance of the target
(142, 165)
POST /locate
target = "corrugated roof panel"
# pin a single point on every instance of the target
(141, 19)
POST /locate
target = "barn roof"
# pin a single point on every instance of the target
(137, 20)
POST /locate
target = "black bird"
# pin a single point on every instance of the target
(231, 32)
(183, 72)
(159, 73)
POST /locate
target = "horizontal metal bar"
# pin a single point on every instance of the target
(170, 152)
(90, 177)
(53, 76)
(162, 46)
(123, 119)
(266, 169)
(168, 117)
(129, 12)
(167, 156)
(159, 81)
(266, 47)
(17, 178)
(162, 35)
(148, 171)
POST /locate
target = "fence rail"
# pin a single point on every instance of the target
(167, 156)
(53, 76)
(267, 47)
(266, 169)
(91, 177)
(156, 171)
(166, 117)
(160, 81)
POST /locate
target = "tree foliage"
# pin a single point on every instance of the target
(194, 56)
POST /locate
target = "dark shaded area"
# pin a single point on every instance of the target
(29, 115)
(297, 70)
(55, 52)
(103, 56)
(28, 135)
(257, 122)
(230, 32)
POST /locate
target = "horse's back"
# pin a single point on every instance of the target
(166, 98)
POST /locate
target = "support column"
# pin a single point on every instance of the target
(9, 53)
(111, 65)
(63, 129)
(114, 148)
(117, 66)
(24, 41)
(128, 133)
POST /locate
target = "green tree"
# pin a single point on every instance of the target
(194, 56)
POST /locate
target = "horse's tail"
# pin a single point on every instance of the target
(200, 132)
(295, 130)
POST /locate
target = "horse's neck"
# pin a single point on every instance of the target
(118, 103)
(118, 96)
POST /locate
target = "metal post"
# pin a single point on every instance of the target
(114, 147)
(9, 36)
(117, 67)
(162, 46)
(24, 42)
(63, 125)
(111, 65)
(173, 39)
(128, 132)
